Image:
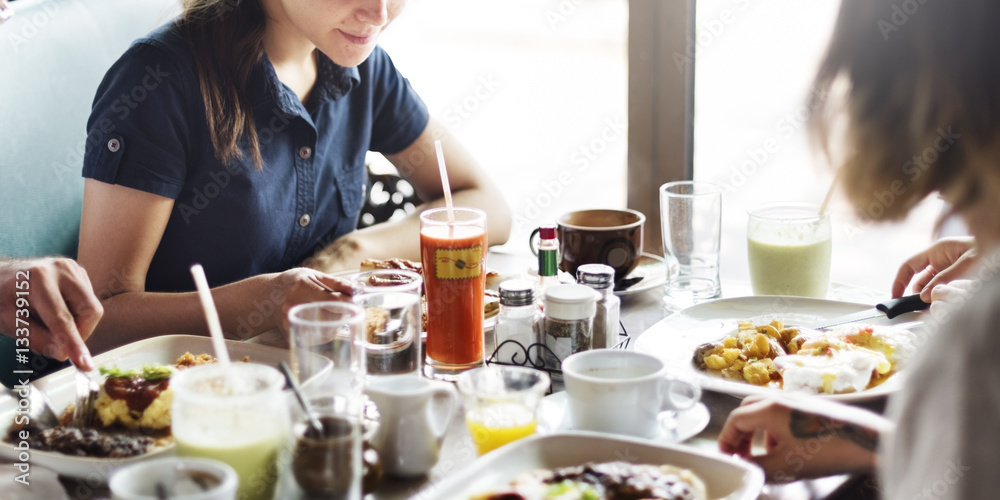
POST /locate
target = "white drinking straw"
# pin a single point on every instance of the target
(829, 193)
(211, 315)
(444, 182)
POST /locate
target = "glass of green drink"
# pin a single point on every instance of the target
(789, 248)
(237, 416)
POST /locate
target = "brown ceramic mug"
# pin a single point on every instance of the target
(600, 236)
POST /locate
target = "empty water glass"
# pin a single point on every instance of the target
(691, 218)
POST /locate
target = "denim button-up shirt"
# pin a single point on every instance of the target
(148, 131)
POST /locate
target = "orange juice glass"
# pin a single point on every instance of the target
(501, 403)
(453, 255)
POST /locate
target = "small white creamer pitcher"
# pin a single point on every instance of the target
(415, 413)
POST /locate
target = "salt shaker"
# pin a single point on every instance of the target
(518, 321)
(602, 279)
(569, 321)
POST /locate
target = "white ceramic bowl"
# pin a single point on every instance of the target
(184, 479)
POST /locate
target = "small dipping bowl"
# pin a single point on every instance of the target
(183, 478)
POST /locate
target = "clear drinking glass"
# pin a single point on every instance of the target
(392, 332)
(691, 219)
(236, 416)
(453, 255)
(789, 246)
(501, 403)
(328, 351)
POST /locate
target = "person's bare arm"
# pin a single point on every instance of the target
(49, 307)
(803, 438)
(471, 187)
(119, 233)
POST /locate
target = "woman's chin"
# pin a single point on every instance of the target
(350, 57)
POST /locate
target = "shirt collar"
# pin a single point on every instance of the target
(332, 82)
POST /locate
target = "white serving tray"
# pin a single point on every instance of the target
(725, 477)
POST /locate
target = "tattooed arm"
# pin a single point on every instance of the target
(803, 442)
(805, 425)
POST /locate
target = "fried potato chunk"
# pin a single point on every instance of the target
(730, 355)
(751, 347)
(758, 372)
(769, 330)
(716, 362)
(758, 347)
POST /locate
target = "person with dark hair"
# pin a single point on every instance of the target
(235, 137)
(912, 110)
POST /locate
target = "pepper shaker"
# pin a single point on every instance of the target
(569, 321)
(602, 279)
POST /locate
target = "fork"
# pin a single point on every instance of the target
(86, 394)
(314, 279)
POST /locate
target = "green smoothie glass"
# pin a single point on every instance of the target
(789, 247)
(236, 416)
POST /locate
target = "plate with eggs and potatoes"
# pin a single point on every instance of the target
(758, 345)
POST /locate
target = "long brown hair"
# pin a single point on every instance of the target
(226, 38)
(909, 103)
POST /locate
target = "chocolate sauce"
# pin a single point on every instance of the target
(137, 392)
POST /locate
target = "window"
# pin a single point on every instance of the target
(755, 65)
(536, 89)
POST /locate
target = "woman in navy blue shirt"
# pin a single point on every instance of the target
(235, 137)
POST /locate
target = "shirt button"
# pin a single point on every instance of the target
(305, 152)
(304, 220)
(114, 145)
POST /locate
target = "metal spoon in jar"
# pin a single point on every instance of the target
(315, 425)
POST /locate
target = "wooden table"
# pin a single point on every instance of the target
(639, 312)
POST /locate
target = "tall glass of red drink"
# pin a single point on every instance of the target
(453, 257)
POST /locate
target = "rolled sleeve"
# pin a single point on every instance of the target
(137, 134)
(399, 115)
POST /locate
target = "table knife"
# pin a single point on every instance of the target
(888, 309)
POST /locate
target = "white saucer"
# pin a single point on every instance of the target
(675, 427)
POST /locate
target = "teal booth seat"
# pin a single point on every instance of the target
(53, 55)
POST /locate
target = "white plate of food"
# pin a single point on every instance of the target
(59, 387)
(677, 339)
(723, 477)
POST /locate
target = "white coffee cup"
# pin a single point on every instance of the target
(622, 392)
(183, 478)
